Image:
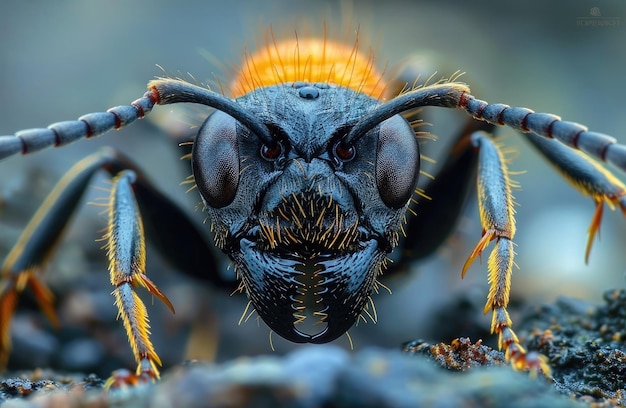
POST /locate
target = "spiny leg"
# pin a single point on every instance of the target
(126, 251)
(174, 234)
(36, 245)
(495, 203)
(586, 176)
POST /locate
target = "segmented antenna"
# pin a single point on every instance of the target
(87, 126)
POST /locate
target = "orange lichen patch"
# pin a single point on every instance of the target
(460, 355)
(309, 60)
(543, 337)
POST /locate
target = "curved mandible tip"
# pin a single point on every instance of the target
(446, 95)
(179, 91)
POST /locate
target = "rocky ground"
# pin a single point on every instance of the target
(584, 343)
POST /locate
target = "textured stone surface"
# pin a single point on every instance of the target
(586, 347)
(315, 377)
(583, 342)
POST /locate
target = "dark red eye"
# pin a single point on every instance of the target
(344, 153)
(271, 153)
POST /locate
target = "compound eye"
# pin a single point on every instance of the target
(397, 162)
(215, 160)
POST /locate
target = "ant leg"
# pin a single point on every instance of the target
(495, 203)
(166, 224)
(125, 244)
(585, 175)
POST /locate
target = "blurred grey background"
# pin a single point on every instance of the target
(59, 60)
